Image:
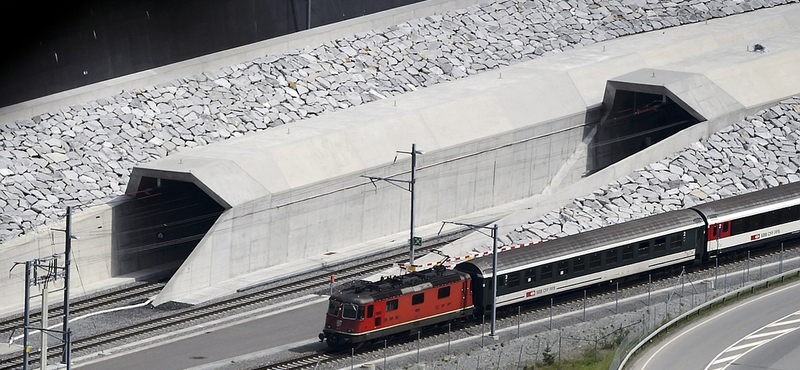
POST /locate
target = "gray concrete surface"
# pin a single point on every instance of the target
(541, 96)
(745, 82)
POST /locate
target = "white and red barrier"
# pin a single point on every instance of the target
(468, 257)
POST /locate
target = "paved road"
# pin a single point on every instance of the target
(757, 333)
(271, 331)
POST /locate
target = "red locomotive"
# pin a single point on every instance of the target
(371, 310)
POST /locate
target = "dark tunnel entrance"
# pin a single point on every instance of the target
(160, 226)
(635, 121)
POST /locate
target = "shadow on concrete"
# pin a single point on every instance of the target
(160, 226)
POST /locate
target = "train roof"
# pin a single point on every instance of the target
(750, 203)
(364, 292)
(586, 242)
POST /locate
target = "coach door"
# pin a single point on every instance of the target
(716, 234)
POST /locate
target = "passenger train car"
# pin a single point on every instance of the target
(588, 258)
(751, 219)
(368, 311)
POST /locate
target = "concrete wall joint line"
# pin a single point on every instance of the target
(432, 165)
(506, 145)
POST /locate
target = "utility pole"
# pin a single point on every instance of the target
(51, 272)
(412, 241)
(308, 14)
(493, 235)
(67, 352)
(39, 272)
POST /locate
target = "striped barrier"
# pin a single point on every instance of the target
(468, 257)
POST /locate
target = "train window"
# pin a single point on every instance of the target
(595, 260)
(360, 313)
(754, 222)
(787, 214)
(444, 292)
(676, 240)
(725, 227)
(738, 226)
(578, 264)
(417, 299)
(612, 257)
(644, 249)
(530, 275)
(513, 280)
(334, 307)
(547, 272)
(370, 311)
(660, 245)
(627, 252)
(391, 305)
(771, 219)
(563, 267)
(349, 311)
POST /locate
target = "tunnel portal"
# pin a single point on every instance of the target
(160, 225)
(641, 110)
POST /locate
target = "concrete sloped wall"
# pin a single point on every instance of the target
(304, 219)
(349, 209)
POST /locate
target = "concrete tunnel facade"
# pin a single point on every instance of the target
(297, 191)
(490, 141)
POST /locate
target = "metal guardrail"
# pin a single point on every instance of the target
(696, 310)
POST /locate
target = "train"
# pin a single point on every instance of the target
(369, 311)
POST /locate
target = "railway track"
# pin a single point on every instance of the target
(567, 301)
(88, 305)
(312, 282)
(309, 283)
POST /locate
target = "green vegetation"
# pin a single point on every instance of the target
(585, 362)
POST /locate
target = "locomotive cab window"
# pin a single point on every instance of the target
(444, 292)
(360, 314)
(370, 311)
(350, 311)
(391, 305)
(417, 299)
(334, 308)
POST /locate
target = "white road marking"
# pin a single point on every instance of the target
(758, 333)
